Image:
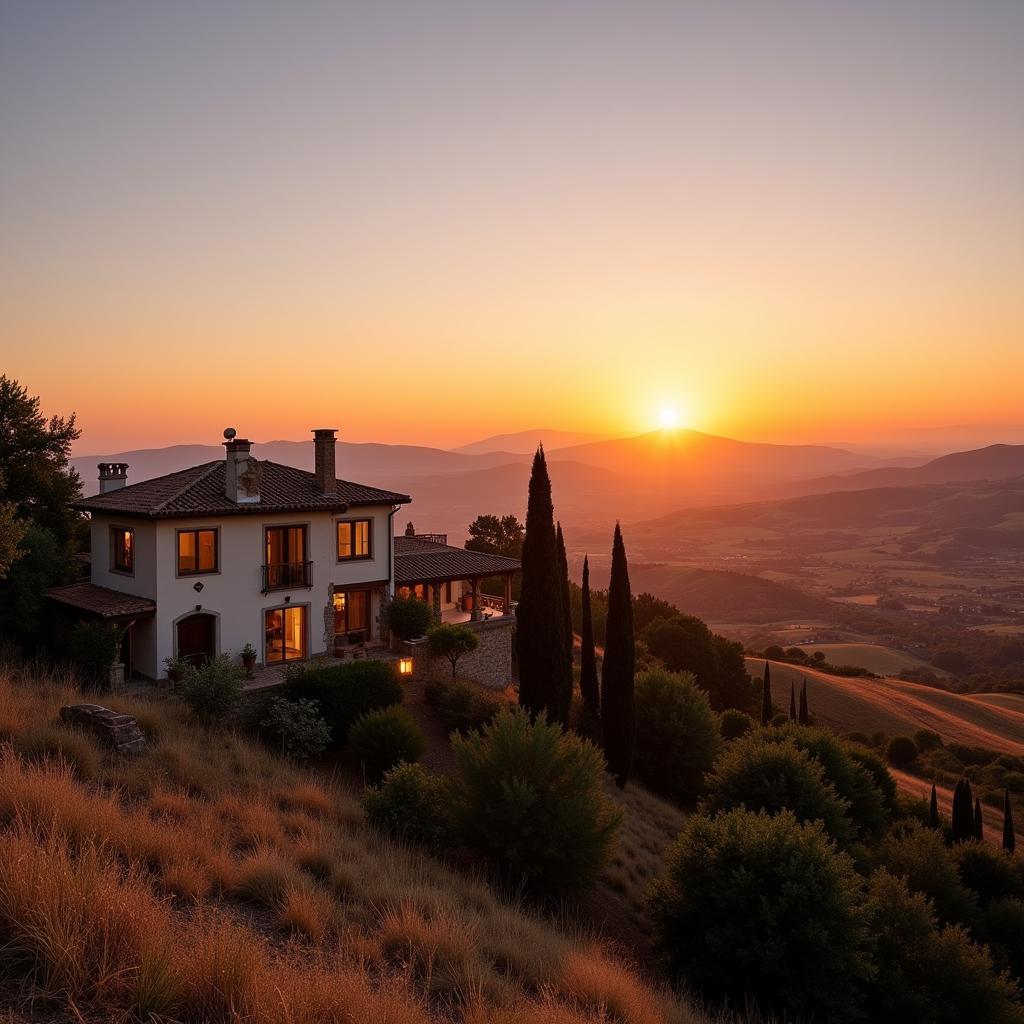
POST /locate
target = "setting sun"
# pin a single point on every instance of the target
(669, 418)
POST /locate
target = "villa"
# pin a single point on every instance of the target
(239, 551)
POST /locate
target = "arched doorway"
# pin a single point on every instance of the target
(197, 637)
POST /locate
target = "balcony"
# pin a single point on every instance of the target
(286, 575)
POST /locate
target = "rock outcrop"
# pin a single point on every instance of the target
(119, 731)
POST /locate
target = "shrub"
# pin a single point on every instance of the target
(925, 740)
(773, 775)
(381, 739)
(1003, 930)
(875, 767)
(95, 646)
(296, 728)
(344, 692)
(452, 641)
(734, 723)
(759, 907)
(926, 973)
(918, 855)
(411, 804)
(213, 690)
(463, 707)
(409, 617)
(852, 781)
(943, 760)
(677, 737)
(530, 798)
(901, 750)
(988, 872)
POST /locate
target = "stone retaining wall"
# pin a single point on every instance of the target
(490, 664)
(121, 732)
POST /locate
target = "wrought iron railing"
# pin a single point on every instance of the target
(284, 575)
(433, 538)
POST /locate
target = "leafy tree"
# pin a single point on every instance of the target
(496, 536)
(760, 908)
(37, 478)
(588, 659)
(775, 775)
(540, 621)
(735, 723)
(1009, 836)
(647, 608)
(566, 650)
(530, 798)
(452, 641)
(40, 563)
(766, 695)
(410, 530)
(213, 690)
(988, 873)
(677, 735)
(927, 973)
(901, 750)
(95, 647)
(12, 530)
(409, 617)
(617, 698)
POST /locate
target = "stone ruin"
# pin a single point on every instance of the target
(119, 731)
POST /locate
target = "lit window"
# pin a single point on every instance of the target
(405, 666)
(123, 549)
(354, 539)
(197, 551)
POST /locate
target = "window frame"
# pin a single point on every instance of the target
(114, 567)
(284, 609)
(338, 523)
(178, 571)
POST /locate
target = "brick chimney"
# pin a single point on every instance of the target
(242, 471)
(113, 476)
(324, 445)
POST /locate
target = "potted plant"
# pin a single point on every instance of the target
(249, 660)
(175, 669)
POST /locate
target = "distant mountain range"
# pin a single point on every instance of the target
(524, 442)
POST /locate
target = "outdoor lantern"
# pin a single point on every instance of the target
(405, 666)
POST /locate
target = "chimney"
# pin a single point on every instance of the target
(242, 472)
(113, 476)
(323, 461)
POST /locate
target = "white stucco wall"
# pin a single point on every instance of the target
(233, 594)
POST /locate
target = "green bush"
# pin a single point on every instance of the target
(412, 805)
(928, 974)
(773, 774)
(852, 780)
(344, 692)
(95, 646)
(1003, 930)
(943, 760)
(452, 642)
(463, 707)
(901, 750)
(757, 907)
(926, 739)
(677, 737)
(876, 768)
(987, 872)
(734, 723)
(409, 617)
(212, 690)
(383, 738)
(296, 728)
(918, 855)
(530, 799)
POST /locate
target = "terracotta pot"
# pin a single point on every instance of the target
(249, 662)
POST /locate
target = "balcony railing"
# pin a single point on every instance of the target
(285, 575)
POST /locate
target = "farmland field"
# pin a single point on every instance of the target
(883, 661)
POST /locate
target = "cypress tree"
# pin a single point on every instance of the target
(963, 812)
(933, 811)
(1009, 836)
(617, 711)
(565, 696)
(979, 828)
(792, 701)
(540, 621)
(805, 716)
(766, 696)
(588, 659)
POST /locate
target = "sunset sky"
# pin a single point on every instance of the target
(429, 222)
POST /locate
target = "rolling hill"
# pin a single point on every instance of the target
(524, 442)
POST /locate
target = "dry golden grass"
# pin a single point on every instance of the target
(208, 881)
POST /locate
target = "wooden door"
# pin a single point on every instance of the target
(197, 638)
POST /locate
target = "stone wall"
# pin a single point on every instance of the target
(490, 664)
(121, 732)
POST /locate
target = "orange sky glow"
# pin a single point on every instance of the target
(431, 229)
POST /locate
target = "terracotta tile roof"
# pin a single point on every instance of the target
(102, 601)
(418, 561)
(199, 491)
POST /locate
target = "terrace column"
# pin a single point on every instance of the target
(475, 591)
(435, 595)
(506, 601)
